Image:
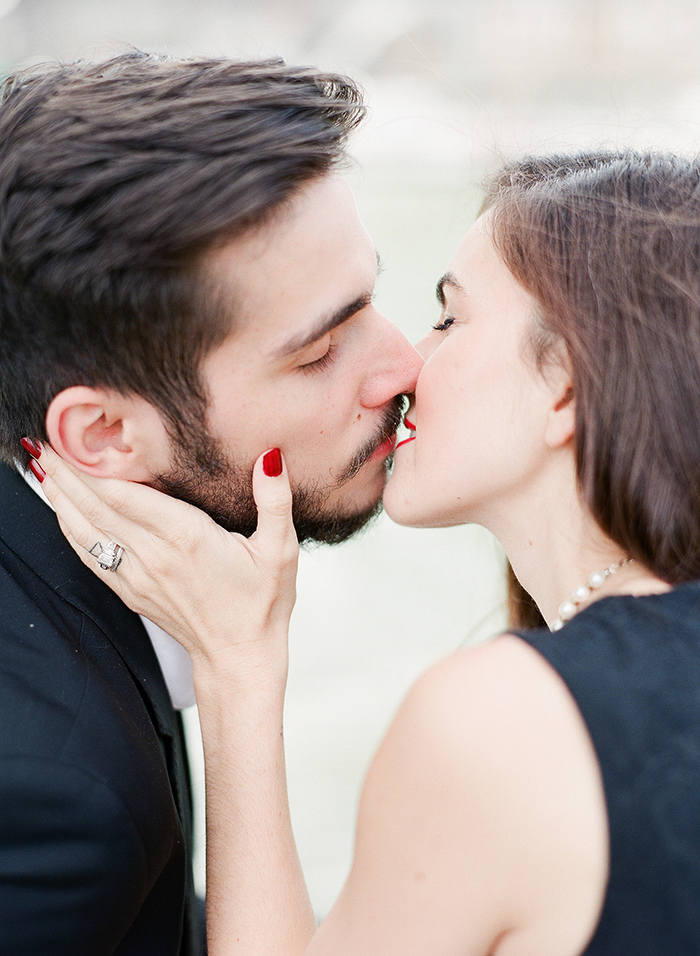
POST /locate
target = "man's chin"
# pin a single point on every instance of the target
(230, 504)
(333, 528)
(203, 476)
(317, 520)
(207, 481)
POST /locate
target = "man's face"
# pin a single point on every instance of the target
(311, 367)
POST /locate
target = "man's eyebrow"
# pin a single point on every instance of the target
(325, 325)
(447, 279)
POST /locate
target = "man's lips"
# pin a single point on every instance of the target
(412, 428)
(385, 449)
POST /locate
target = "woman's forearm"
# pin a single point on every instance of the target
(257, 902)
(228, 600)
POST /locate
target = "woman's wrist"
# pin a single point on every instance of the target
(248, 669)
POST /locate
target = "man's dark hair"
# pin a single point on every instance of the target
(115, 179)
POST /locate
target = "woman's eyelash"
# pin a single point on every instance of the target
(318, 364)
(445, 324)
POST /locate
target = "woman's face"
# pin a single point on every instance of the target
(481, 408)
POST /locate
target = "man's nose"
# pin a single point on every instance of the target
(427, 345)
(395, 367)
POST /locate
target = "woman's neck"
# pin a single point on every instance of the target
(554, 545)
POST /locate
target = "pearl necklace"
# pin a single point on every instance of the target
(582, 593)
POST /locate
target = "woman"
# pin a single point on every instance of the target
(538, 794)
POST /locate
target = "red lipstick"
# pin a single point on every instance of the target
(412, 428)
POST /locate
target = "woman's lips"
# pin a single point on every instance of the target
(412, 428)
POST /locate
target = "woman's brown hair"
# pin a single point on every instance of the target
(608, 244)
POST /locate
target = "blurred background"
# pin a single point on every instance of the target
(454, 87)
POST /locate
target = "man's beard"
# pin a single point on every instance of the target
(203, 475)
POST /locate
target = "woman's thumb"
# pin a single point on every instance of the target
(273, 497)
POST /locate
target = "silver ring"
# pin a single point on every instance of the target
(110, 557)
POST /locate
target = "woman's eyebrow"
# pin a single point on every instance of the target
(447, 279)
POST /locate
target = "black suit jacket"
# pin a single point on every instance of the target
(95, 829)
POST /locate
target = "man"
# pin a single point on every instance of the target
(184, 282)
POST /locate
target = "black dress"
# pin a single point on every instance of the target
(633, 666)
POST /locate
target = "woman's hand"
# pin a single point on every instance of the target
(226, 598)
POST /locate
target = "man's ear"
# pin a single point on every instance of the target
(107, 434)
(561, 421)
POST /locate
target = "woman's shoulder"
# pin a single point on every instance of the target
(489, 756)
(501, 698)
(495, 688)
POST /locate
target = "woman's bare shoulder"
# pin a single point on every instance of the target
(487, 790)
(498, 693)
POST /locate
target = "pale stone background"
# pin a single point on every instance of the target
(454, 86)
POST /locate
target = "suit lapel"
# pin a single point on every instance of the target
(30, 529)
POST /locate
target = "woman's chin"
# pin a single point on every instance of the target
(405, 505)
(403, 510)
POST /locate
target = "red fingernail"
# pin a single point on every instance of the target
(272, 463)
(37, 470)
(31, 446)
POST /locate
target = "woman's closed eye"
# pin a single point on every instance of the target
(444, 324)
